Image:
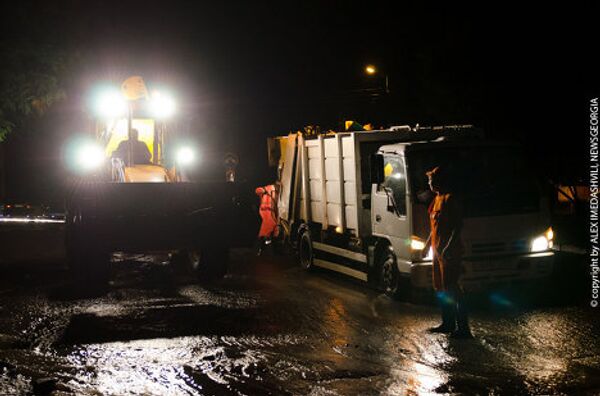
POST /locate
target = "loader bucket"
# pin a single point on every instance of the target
(160, 216)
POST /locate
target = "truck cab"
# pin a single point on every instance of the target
(506, 223)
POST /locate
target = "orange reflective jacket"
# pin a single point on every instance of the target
(445, 216)
(268, 210)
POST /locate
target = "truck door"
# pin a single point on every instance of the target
(390, 212)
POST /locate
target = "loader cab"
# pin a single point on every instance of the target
(116, 114)
(111, 134)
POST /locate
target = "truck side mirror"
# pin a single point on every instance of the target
(376, 168)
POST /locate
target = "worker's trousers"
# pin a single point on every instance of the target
(454, 308)
(451, 293)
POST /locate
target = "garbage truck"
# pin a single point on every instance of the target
(130, 191)
(357, 203)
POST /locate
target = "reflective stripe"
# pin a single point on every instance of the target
(340, 252)
(28, 220)
(340, 268)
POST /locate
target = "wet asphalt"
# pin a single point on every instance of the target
(270, 328)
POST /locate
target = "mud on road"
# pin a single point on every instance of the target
(269, 328)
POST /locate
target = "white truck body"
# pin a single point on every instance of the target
(326, 188)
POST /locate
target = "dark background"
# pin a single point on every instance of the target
(243, 71)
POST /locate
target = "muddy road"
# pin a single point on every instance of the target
(269, 328)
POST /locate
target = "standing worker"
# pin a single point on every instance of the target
(445, 216)
(268, 214)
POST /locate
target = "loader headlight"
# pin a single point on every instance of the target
(110, 104)
(162, 105)
(89, 157)
(543, 242)
(185, 156)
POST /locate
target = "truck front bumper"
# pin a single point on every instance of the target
(483, 272)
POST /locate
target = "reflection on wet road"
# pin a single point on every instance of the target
(269, 328)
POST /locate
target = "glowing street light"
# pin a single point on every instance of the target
(371, 70)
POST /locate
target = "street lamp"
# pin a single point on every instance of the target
(371, 70)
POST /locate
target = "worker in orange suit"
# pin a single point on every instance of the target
(445, 216)
(268, 214)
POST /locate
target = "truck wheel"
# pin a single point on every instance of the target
(209, 263)
(94, 269)
(88, 263)
(89, 266)
(305, 251)
(389, 274)
(184, 261)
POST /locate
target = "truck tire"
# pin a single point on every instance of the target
(207, 264)
(389, 279)
(88, 262)
(305, 250)
(90, 269)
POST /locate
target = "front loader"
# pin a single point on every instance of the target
(117, 203)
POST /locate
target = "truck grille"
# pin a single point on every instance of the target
(489, 247)
(493, 265)
(516, 246)
(519, 245)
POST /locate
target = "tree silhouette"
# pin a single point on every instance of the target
(31, 81)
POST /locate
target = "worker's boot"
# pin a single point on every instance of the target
(260, 246)
(463, 331)
(448, 320)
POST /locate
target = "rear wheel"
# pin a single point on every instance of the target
(305, 250)
(212, 263)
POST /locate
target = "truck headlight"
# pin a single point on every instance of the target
(429, 256)
(550, 234)
(416, 246)
(539, 244)
(543, 242)
(416, 243)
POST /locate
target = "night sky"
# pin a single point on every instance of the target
(242, 71)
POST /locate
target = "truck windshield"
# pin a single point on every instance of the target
(491, 180)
